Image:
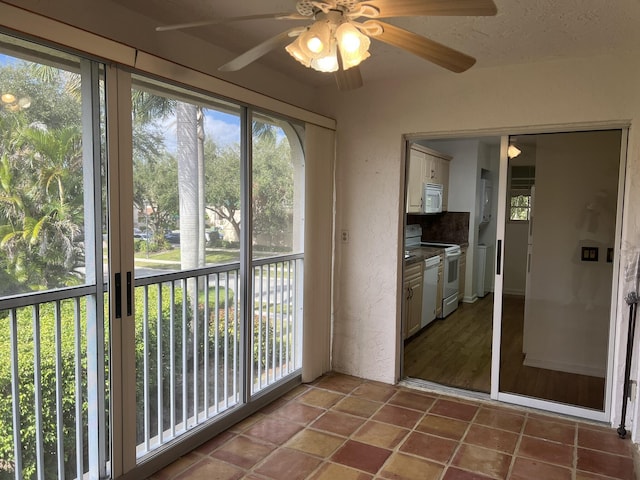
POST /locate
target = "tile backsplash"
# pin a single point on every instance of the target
(445, 227)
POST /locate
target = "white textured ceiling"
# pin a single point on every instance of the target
(523, 31)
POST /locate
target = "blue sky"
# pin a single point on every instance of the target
(7, 60)
(222, 127)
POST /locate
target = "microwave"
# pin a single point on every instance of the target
(432, 198)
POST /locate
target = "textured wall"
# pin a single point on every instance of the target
(371, 123)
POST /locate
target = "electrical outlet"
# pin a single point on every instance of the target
(345, 236)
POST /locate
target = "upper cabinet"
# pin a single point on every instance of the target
(417, 172)
(426, 166)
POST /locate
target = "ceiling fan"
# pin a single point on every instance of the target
(337, 40)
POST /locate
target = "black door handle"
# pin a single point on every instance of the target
(129, 293)
(118, 291)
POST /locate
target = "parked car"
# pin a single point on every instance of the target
(212, 237)
(172, 237)
(141, 234)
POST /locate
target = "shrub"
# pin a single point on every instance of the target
(25, 344)
(221, 333)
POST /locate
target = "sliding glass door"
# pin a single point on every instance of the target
(539, 214)
(151, 264)
(559, 207)
(53, 246)
(217, 235)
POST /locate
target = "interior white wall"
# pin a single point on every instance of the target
(371, 123)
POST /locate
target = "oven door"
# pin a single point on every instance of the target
(451, 266)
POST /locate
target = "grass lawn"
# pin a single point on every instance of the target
(172, 258)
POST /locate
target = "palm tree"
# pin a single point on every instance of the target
(190, 155)
(41, 203)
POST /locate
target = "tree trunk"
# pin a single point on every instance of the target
(187, 137)
(201, 195)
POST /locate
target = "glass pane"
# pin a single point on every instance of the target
(186, 155)
(41, 174)
(52, 346)
(447, 337)
(278, 210)
(556, 310)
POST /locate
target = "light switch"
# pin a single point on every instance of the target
(589, 254)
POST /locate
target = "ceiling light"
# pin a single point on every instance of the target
(328, 62)
(513, 151)
(11, 102)
(24, 102)
(317, 39)
(353, 45)
(296, 51)
(8, 98)
(317, 47)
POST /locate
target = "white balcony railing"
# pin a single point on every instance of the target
(50, 343)
(190, 343)
(54, 406)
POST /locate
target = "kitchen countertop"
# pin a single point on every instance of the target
(418, 254)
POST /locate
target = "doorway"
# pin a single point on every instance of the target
(571, 180)
(455, 350)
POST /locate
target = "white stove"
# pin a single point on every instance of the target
(452, 252)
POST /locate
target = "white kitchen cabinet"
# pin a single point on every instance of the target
(438, 172)
(426, 166)
(413, 280)
(417, 168)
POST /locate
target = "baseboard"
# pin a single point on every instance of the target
(470, 299)
(513, 291)
(547, 364)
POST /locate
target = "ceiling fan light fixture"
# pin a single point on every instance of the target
(353, 45)
(327, 63)
(316, 41)
(8, 98)
(297, 52)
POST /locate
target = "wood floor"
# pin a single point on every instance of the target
(456, 351)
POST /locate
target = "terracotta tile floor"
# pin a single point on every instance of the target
(345, 428)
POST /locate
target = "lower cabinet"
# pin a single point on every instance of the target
(412, 298)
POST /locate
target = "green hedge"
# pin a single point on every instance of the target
(48, 384)
(224, 333)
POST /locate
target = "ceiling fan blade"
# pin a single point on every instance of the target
(423, 47)
(348, 79)
(414, 8)
(216, 21)
(258, 51)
